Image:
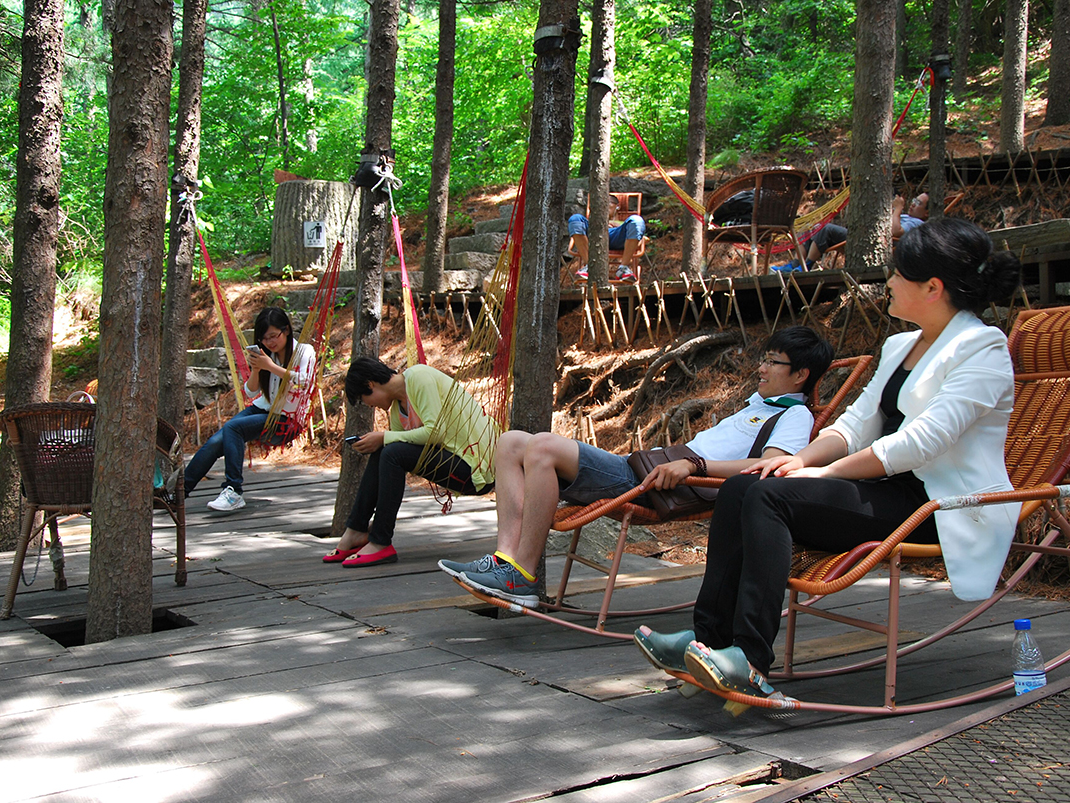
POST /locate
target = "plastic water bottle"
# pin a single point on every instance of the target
(1026, 659)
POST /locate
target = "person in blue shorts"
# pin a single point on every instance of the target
(535, 471)
(625, 238)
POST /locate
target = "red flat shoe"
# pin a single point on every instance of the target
(385, 555)
(339, 555)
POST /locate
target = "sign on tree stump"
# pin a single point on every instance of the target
(308, 222)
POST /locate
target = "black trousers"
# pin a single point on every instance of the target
(382, 486)
(748, 559)
(828, 236)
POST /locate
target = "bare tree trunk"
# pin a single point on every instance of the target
(438, 196)
(902, 53)
(284, 109)
(371, 242)
(135, 195)
(551, 138)
(938, 109)
(869, 225)
(963, 42)
(33, 275)
(1058, 110)
(182, 240)
(696, 133)
(1012, 115)
(599, 110)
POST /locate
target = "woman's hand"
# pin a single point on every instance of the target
(372, 442)
(777, 466)
(668, 475)
(259, 361)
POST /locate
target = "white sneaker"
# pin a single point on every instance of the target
(228, 500)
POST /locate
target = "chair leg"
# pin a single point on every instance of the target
(55, 554)
(20, 556)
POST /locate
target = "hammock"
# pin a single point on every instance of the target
(806, 226)
(316, 332)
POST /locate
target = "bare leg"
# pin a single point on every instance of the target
(814, 253)
(545, 458)
(579, 244)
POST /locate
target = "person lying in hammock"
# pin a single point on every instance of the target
(535, 471)
(414, 400)
(273, 351)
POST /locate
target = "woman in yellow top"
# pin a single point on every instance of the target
(414, 399)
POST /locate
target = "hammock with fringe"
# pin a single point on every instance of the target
(279, 431)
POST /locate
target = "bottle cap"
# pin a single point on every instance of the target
(1022, 624)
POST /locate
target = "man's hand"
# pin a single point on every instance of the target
(668, 475)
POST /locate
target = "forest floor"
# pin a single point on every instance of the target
(724, 377)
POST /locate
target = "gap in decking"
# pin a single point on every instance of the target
(71, 632)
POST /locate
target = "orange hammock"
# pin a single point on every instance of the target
(316, 332)
(806, 226)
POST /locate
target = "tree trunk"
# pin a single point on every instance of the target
(1058, 110)
(902, 52)
(182, 240)
(299, 244)
(371, 242)
(963, 42)
(438, 195)
(551, 138)
(1012, 115)
(135, 195)
(599, 109)
(869, 225)
(284, 109)
(33, 274)
(938, 109)
(696, 133)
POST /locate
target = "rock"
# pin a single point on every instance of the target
(490, 243)
(598, 540)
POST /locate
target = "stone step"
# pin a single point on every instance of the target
(493, 225)
(473, 261)
(456, 281)
(490, 243)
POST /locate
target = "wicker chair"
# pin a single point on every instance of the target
(777, 194)
(574, 517)
(54, 445)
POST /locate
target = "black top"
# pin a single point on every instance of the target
(893, 416)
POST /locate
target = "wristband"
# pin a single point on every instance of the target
(699, 463)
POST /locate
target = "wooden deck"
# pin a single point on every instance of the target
(302, 680)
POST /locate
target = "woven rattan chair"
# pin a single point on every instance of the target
(1037, 454)
(54, 445)
(573, 518)
(777, 194)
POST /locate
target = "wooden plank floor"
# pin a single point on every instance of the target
(303, 679)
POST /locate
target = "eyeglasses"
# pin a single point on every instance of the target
(272, 336)
(770, 362)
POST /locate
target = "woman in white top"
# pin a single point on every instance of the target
(931, 422)
(275, 349)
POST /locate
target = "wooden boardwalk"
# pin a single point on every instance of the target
(302, 680)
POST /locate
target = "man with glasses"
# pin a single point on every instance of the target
(535, 471)
(831, 234)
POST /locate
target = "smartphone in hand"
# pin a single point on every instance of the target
(353, 438)
(254, 349)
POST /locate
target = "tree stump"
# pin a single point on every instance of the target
(307, 224)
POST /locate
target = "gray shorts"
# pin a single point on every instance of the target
(602, 475)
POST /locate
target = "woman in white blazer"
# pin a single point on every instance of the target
(931, 422)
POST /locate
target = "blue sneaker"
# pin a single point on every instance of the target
(664, 650)
(455, 569)
(504, 582)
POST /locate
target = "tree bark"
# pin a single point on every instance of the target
(599, 110)
(300, 202)
(695, 181)
(963, 42)
(135, 194)
(539, 293)
(438, 195)
(284, 109)
(1058, 109)
(182, 240)
(371, 240)
(902, 51)
(938, 111)
(36, 230)
(869, 214)
(1012, 115)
